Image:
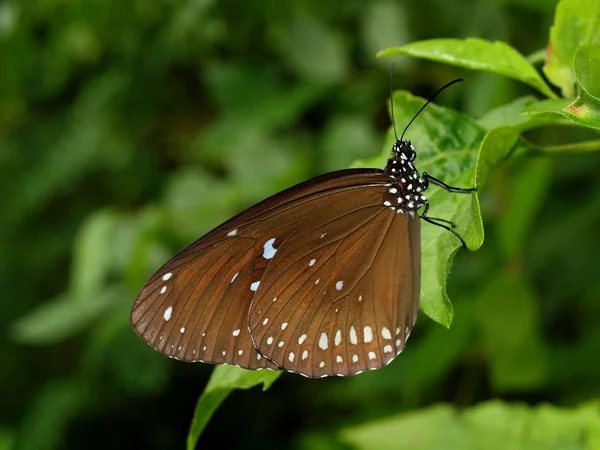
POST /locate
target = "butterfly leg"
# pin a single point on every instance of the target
(428, 178)
(424, 215)
(443, 223)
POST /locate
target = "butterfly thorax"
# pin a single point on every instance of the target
(405, 193)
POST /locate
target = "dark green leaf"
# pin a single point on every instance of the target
(509, 300)
(314, 50)
(224, 379)
(57, 404)
(526, 195)
(63, 317)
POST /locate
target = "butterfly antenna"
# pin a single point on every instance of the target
(423, 107)
(392, 100)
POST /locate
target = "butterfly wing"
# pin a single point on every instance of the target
(195, 308)
(342, 293)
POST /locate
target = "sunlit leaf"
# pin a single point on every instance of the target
(493, 425)
(575, 24)
(578, 112)
(477, 54)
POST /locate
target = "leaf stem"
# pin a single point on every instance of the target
(578, 147)
(537, 57)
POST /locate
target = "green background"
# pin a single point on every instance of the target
(130, 128)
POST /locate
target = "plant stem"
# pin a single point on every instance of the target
(537, 57)
(578, 147)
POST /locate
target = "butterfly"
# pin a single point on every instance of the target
(320, 279)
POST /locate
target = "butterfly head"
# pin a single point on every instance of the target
(404, 151)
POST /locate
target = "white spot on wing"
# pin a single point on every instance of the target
(232, 233)
(372, 355)
(339, 285)
(387, 349)
(339, 359)
(304, 354)
(270, 340)
(354, 358)
(281, 344)
(168, 313)
(322, 364)
(240, 352)
(353, 337)
(163, 290)
(368, 334)
(167, 276)
(312, 262)
(323, 341)
(291, 357)
(182, 330)
(398, 342)
(338, 337)
(284, 325)
(254, 286)
(302, 339)
(268, 249)
(234, 277)
(386, 333)
(265, 321)
(236, 332)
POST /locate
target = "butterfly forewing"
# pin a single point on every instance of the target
(341, 293)
(195, 308)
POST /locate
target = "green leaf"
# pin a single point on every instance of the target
(497, 145)
(447, 144)
(385, 23)
(63, 317)
(55, 407)
(524, 198)
(585, 110)
(510, 115)
(491, 425)
(508, 299)
(478, 54)
(576, 23)
(93, 254)
(577, 112)
(587, 73)
(224, 379)
(314, 50)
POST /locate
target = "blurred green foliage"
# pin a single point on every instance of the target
(130, 128)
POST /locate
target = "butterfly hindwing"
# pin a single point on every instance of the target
(336, 300)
